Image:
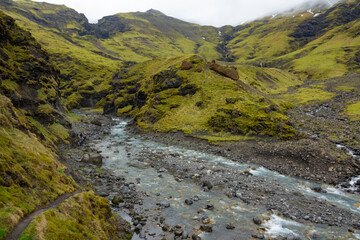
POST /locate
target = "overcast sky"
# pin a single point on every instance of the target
(204, 12)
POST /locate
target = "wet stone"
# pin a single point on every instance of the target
(206, 228)
(163, 204)
(195, 237)
(210, 207)
(230, 226)
(205, 220)
(257, 221)
(188, 201)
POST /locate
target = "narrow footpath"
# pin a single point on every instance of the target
(24, 223)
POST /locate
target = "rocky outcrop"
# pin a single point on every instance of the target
(224, 71)
(186, 65)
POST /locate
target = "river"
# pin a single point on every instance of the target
(138, 159)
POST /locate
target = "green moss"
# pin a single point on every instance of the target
(45, 109)
(37, 177)
(345, 88)
(9, 85)
(124, 110)
(84, 215)
(59, 131)
(353, 110)
(226, 138)
(306, 95)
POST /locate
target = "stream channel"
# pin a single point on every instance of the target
(126, 155)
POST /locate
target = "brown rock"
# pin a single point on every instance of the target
(186, 65)
(199, 68)
(224, 71)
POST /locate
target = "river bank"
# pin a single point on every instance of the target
(128, 163)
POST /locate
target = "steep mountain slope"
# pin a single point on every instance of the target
(89, 54)
(84, 67)
(32, 123)
(312, 44)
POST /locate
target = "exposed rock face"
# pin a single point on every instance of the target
(33, 82)
(224, 71)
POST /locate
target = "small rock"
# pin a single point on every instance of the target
(195, 237)
(230, 226)
(205, 220)
(210, 207)
(188, 201)
(185, 234)
(257, 221)
(138, 227)
(163, 204)
(207, 184)
(206, 228)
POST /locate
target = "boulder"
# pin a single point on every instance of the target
(92, 158)
(186, 65)
(96, 122)
(224, 71)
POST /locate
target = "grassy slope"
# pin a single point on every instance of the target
(76, 56)
(31, 176)
(313, 47)
(32, 123)
(89, 61)
(151, 35)
(219, 106)
(83, 216)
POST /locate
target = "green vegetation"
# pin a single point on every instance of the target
(30, 176)
(30, 115)
(306, 95)
(83, 216)
(353, 110)
(169, 99)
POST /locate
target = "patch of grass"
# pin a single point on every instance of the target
(84, 215)
(307, 95)
(353, 110)
(60, 131)
(45, 109)
(38, 179)
(227, 138)
(344, 88)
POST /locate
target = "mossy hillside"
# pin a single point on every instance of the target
(332, 55)
(31, 82)
(263, 40)
(150, 35)
(169, 99)
(81, 59)
(312, 47)
(83, 216)
(31, 176)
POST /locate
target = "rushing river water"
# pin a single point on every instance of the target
(115, 150)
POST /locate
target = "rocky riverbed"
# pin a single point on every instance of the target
(169, 185)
